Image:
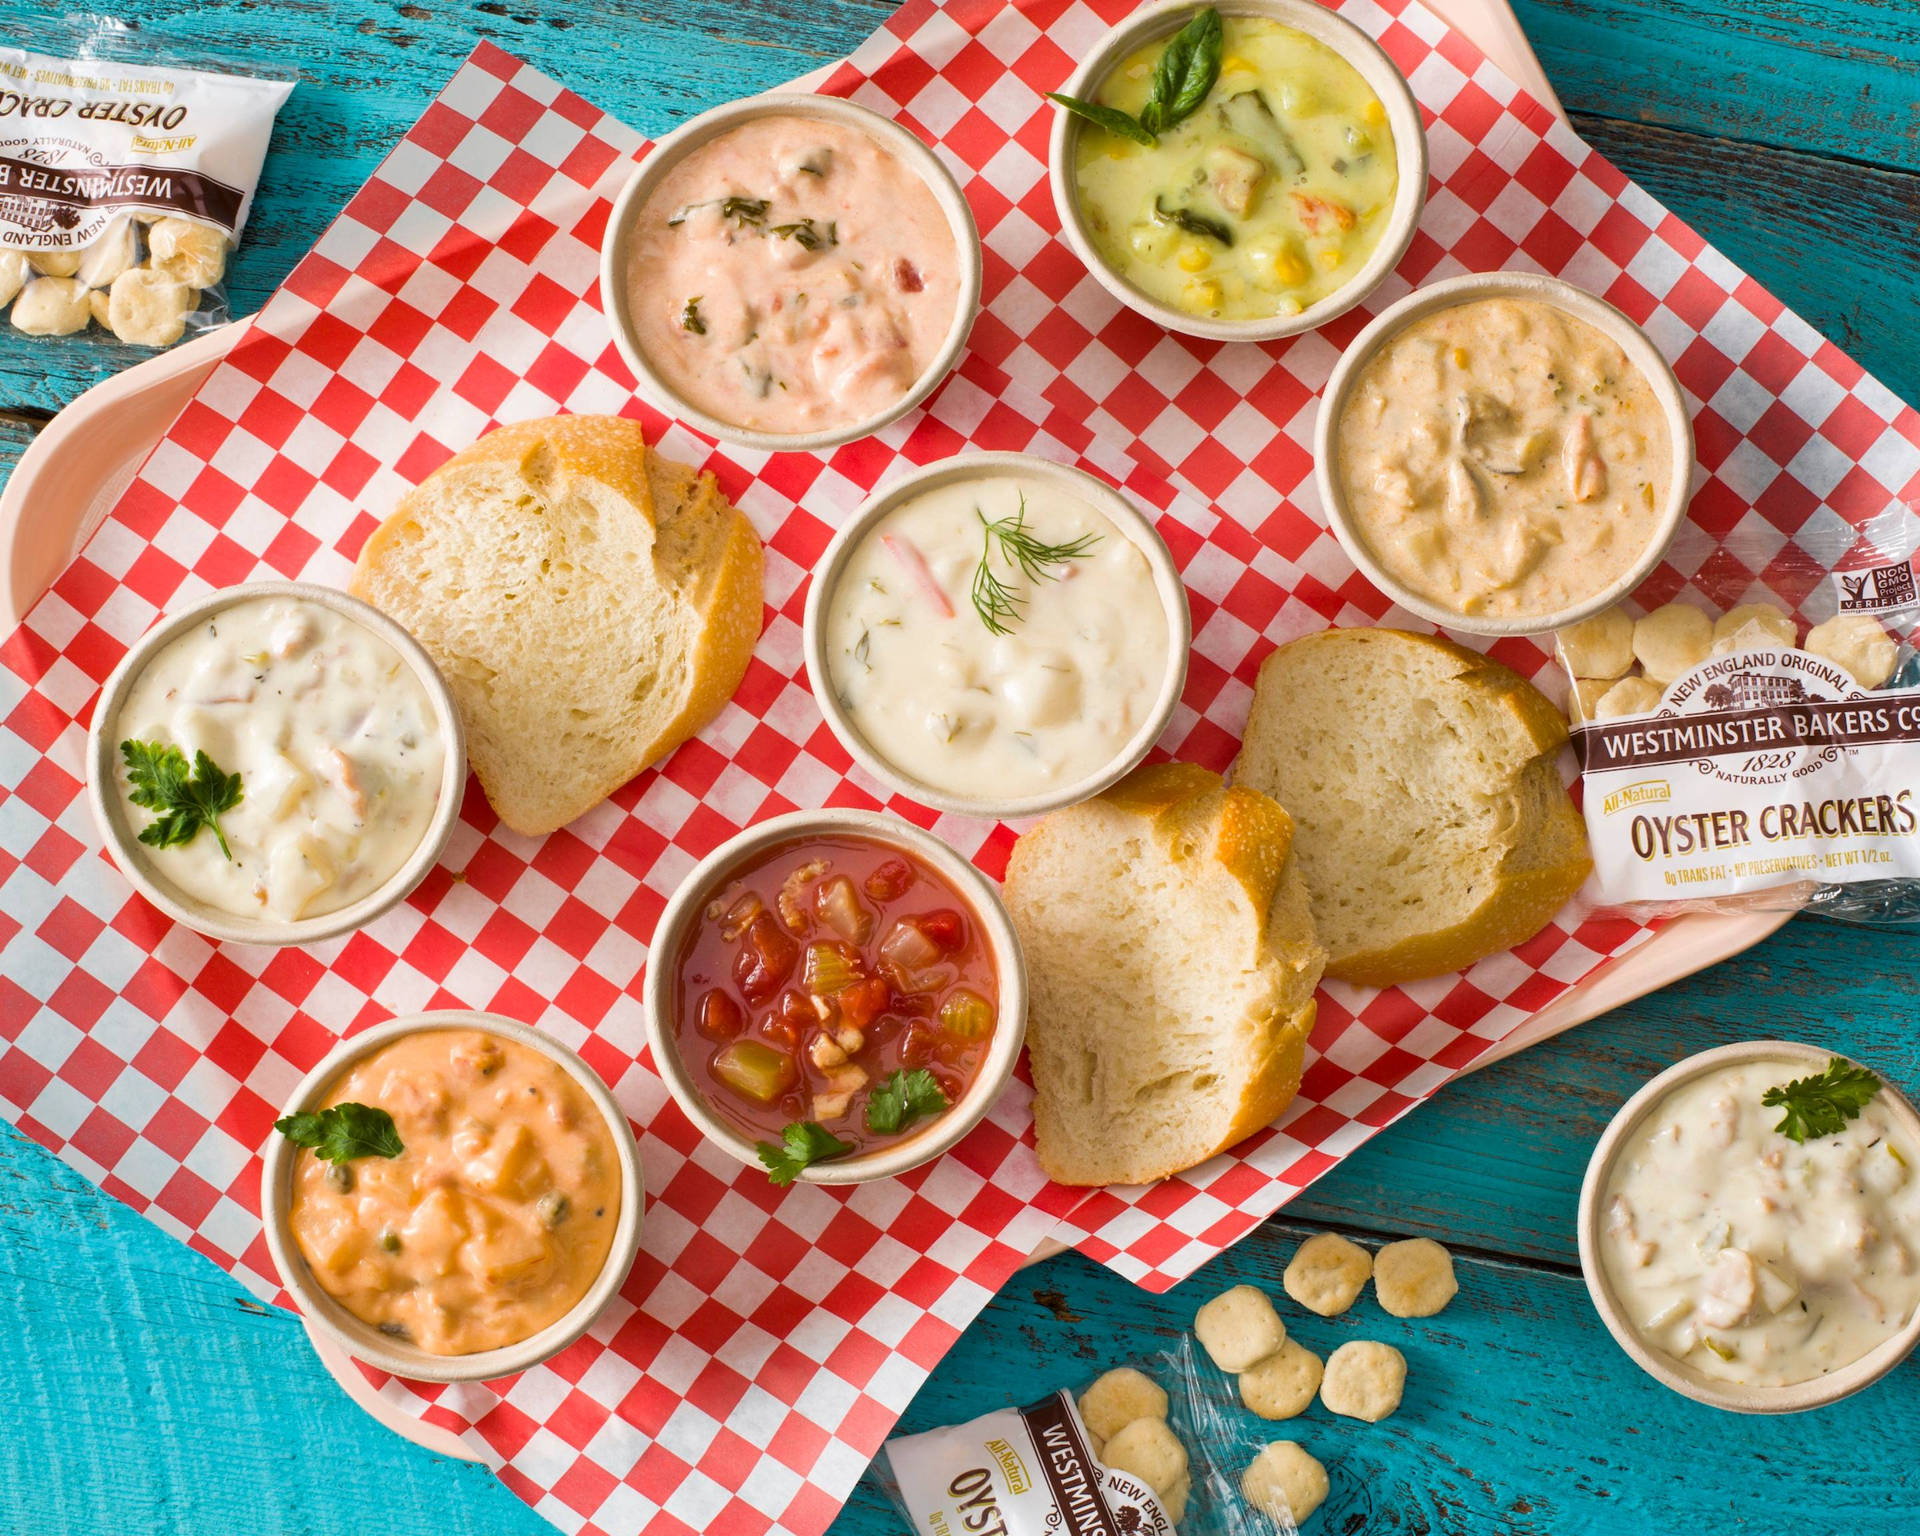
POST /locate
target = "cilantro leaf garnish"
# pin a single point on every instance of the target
(902, 1099)
(186, 801)
(342, 1132)
(801, 1143)
(1822, 1105)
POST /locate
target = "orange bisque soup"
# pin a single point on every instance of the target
(496, 1218)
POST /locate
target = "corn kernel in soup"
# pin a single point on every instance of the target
(1270, 197)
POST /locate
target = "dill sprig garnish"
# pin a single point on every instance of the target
(998, 604)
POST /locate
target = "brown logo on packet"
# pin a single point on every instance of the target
(59, 190)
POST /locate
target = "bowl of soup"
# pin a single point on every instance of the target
(1254, 200)
(452, 1196)
(997, 635)
(1749, 1227)
(835, 996)
(1503, 453)
(790, 271)
(277, 763)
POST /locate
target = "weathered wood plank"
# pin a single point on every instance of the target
(1495, 1160)
(1830, 77)
(1521, 1415)
(146, 1391)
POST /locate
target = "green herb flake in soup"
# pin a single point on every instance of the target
(1268, 197)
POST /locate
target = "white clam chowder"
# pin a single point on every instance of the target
(1754, 1258)
(984, 715)
(334, 738)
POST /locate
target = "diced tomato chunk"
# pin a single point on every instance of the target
(864, 1001)
(952, 1084)
(783, 1033)
(721, 1018)
(946, 927)
(889, 881)
(766, 959)
(918, 1044)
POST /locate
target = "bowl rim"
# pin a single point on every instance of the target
(684, 909)
(696, 131)
(122, 842)
(1112, 503)
(1465, 288)
(1353, 44)
(1735, 1397)
(360, 1340)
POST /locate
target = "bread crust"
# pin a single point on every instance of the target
(720, 578)
(1547, 860)
(1189, 812)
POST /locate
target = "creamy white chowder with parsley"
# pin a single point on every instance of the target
(322, 766)
(1753, 1257)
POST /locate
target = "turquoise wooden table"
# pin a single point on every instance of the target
(142, 1390)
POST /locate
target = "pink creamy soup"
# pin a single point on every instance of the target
(792, 275)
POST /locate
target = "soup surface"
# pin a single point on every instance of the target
(334, 740)
(1504, 458)
(495, 1219)
(792, 275)
(1268, 198)
(821, 977)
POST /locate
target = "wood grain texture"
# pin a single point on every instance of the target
(143, 1390)
(1830, 77)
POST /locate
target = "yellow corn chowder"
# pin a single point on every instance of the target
(1267, 199)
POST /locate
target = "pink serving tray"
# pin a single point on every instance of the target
(77, 467)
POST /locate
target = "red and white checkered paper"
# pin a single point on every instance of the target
(767, 1340)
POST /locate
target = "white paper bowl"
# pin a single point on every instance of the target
(1841, 1382)
(1580, 304)
(981, 895)
(700, 130)
(362, 1340)
(119, 822)
(1162, 20)
(1131, 523)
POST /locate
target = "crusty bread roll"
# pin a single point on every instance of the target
(1171, 964)
(590, 604)
(1433, 828)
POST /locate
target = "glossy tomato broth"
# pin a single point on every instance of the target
(821, 968)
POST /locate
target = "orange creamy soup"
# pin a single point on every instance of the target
(496, 1218)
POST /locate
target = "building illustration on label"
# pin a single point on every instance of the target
(1753, 690)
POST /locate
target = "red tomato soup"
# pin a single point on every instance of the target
(824, 978)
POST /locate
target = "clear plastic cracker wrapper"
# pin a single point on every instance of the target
(1755, 743)
(1043, 1471)
(126, 175)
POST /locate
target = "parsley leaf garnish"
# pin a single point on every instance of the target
(342, 1132)
(1187, 70)
(994, 600)
(1822, 1105)
(186, 801)
(902, 1099)
(801, 1143)
(691, 319)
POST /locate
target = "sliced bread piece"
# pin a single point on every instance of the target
(1433, 828)
(590, 604)
(1171, 964)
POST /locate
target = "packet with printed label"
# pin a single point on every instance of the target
(126, 176)
(1757, 745)
(1175, 1465)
